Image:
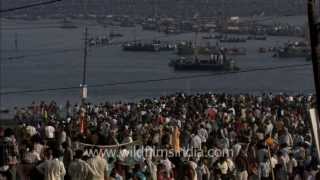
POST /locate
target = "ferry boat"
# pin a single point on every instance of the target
(113, 34)
(211, 36)
(233, 40)
(294, 50)
(212, 62)
(98, 41)
(257, 37)
(241, 51)
(155, 46)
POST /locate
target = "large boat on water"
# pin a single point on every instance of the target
(98, 41)
(257, 37)
(294, 50)
(233, 40)
(187, 48)
(155, 46)
(236, 51)
(212, 62)
(68, 24)
(113, 34)
(212, 36)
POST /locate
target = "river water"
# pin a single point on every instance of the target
(112, 65)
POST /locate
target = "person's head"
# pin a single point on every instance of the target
(48, 154)
(65, 145)
(78, 154)
(56, 153)
(8, 132)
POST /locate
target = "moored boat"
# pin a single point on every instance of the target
(233, 40)
(294, 50)
(213, 62)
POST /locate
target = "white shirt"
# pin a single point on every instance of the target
(31, 130)
(49, 132)
(52, 169)
(99, 168)
(196, 142)
(203, 134)
(167, 164)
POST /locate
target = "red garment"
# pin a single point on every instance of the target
(212, 114)
(160, 120)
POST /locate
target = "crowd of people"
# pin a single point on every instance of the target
(269, 137)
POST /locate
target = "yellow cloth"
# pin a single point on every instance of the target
(176, 139)
(269, 141)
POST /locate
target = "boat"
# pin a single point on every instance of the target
(138, 46)
(257, 37)
(150, 25)
(113, 34)
(98, 41)
(262, 50)
(213, 62)
(233, 40)
(68, 24)
(185, 48)
(210, 36)
(167, 46)
(4, 111)
(235, 51)
(293, 50)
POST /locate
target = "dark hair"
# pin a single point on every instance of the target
(78, 154)
(8, 132)
(57, 153)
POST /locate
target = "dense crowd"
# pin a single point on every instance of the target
(269, 137)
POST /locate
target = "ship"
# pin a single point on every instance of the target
(187, 48)
(233, 40)
(150, 25)
(98, 41)
(237, 51)
(155, 46)
(213, 62)
(294, 50)
(257, 37)
(113, 34)
(68, 24)
(211, 36)
(139, 46)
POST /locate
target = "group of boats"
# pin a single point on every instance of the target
(190, 57)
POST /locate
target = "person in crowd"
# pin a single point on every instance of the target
(79, 169)
(99, 167)
(53, 168)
